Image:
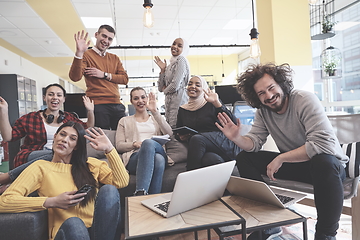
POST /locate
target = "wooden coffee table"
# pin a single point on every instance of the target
(141, 222)
(259, 216)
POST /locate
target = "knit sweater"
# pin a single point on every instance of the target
(100, 90)
(51, 179)
(303, 123)
(127, 133)
(202, 119)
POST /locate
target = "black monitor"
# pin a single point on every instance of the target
(228, 94)
(74, 103)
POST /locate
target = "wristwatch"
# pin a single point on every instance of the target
(105, 75)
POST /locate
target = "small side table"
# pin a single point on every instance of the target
(141, 222)
(258, 216)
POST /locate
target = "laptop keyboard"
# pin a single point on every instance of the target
(163, 206)
(284, 199)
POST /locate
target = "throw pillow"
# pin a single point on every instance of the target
(176, 150)
(352, 150)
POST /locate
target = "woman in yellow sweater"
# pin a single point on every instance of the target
(73, 216)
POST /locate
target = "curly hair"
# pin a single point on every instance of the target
(282, 74)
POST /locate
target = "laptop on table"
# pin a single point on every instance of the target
(193, 189)
(261, 192)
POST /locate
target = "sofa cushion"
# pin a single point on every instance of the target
(27, 225)
(176, 150)
(352, 150)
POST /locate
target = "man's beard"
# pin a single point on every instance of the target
(277, 108)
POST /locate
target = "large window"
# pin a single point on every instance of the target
(341, 95)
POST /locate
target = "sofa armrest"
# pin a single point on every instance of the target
(27, 225)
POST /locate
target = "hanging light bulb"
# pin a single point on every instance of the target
(254, 45)
(153, 88)
(148, 19)
(255, 51)
(312, 1)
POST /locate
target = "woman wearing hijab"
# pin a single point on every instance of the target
(174, 78)
(210, 146)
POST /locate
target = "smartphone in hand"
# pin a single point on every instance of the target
(85, 189)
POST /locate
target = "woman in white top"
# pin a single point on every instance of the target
(142, 156)
(174, 78)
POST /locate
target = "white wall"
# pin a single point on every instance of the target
(18, 65)
(303, 78)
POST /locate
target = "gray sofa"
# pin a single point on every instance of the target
(33, 225)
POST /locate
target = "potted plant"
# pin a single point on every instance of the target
(327, 25)
(330, 65)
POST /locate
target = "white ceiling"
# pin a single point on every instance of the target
(200, 22)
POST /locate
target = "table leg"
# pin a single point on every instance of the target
(305, 229)
(243, 227)
(209, 234)
(196, 235)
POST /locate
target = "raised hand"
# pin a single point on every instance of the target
(161, 64)
(212, 97)
(5, 127)
(230, 130)
(65, 200)
(151, 104)
(89, 104)
(81, 43)
(3, 105)
(98, 140)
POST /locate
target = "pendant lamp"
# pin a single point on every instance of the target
(148, 19)
(254, 45)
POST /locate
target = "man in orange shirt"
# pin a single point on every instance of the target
(103, 72)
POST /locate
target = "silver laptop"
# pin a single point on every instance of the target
(193, 189)
(261, 192)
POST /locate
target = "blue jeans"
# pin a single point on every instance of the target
(148, 164)
(33, 156)
(106, 220)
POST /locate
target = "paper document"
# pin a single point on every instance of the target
(161, 139)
